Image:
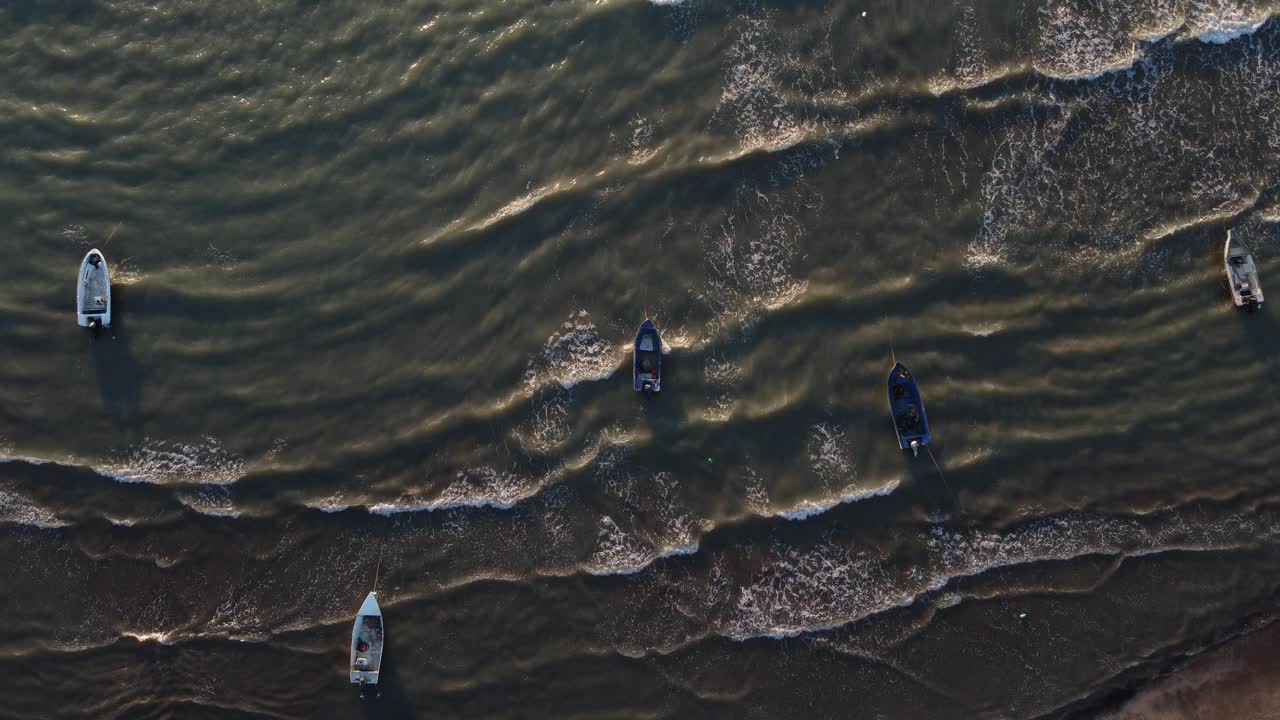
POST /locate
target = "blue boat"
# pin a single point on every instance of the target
(647, 366)
(906, 407)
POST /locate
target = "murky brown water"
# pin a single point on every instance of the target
(377, 269)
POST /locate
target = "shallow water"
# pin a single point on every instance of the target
(376, 273)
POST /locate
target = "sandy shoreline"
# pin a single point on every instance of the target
(1240, 680)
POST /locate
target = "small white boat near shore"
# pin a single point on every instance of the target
(366, 643)
(1242, 274)
(93, 292)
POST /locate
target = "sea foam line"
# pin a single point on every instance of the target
(806, 509)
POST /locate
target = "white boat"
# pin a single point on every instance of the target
(1242, 274)
(366, 643)
(93, 292)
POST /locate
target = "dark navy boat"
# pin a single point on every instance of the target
(647, 367)
(907, 409)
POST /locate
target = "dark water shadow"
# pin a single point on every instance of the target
(1262, 328)
(118, 374)
(665, 411)
(390, 699)
(928, 485)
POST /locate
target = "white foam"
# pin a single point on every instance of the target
(689, 549)
(20, 510)
(829, 585)
(474, 488)
(212, 500)
(411, 506)
(29, 460)
(618, 553)
(1155, 36)
(164, 461)
(1074, 47)
(164, 638)
(757, 495)
(655, 497)
(548, 425)
(77, 234)
(234, 616)
(753, 97)
(558, 522)
(573, 354)
(808, 508)
(722, 378)
(523, 203)
(216, 511)
(1224, 30)
(983, 330)
(750, 261)
(1008, 187)
(830, 456)
(640, 147)
(1115, 65)
(220, 258)
(124, 273)
(722, 372)
(488, 487)
(970, 64)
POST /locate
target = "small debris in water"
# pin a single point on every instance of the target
(1022, 616)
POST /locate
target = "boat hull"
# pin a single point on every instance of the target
(367, 637)
(646, 365)
(93, 291)
(1242, 274)
(906, 408)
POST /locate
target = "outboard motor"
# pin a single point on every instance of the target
(915, 448)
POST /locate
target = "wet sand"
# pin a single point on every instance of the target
(1240, 680)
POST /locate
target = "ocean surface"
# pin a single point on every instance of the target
(377, 267)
